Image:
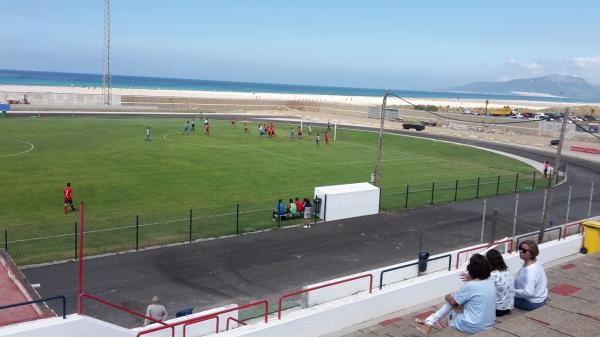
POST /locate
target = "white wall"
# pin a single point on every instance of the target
(73, 326)
(345, 205)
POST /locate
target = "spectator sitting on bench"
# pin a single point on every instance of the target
(292, 208)
(280, 210)
(299, 206)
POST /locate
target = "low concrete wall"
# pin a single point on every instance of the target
(342, 313)
(73, 326)
(52, 99)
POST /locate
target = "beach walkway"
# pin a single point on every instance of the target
(574, 310)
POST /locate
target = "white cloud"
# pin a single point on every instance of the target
(587, 67)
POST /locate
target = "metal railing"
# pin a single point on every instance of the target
(370, 276)
(559, 228)
(116, 306)
(64, 304)
(579, 224)
(449, 256)
(229, 319)
(199, 319)
(493, 244)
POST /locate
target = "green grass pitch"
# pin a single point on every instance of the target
(120, 176)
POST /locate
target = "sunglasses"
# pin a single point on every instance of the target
(523, 250)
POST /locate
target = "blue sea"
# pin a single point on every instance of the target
(40, 78)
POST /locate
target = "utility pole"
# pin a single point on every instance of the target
(486, 106)
(548, 205)
(106, 77)
(377, 173)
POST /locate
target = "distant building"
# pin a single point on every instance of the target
(375, 111)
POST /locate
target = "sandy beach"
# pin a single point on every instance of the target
(334, 99)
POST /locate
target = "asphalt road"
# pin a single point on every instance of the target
(263, 265)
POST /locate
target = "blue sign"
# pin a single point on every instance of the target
(4, 107)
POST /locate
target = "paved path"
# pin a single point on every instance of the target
(265, 265)
(574, 310)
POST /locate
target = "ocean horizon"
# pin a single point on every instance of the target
(60, 79)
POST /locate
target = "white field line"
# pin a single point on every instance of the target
(31, 147)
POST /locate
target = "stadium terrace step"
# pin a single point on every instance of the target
(573, 311)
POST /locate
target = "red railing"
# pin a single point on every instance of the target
(569, 225)
(80, 262)
(229, 319)
(116, 306)
(370, 276)
(510, 249)
(206, 318)
(209, 316)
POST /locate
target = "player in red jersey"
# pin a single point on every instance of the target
(233, 120)
(68, 196)
(326, 136)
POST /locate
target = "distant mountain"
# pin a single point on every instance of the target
(554, 85)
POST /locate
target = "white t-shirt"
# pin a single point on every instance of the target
(531, 283)
(505, 290)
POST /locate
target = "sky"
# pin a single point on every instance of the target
(370, 44)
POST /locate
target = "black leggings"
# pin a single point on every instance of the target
(500, 313)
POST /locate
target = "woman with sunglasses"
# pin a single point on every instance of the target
(531, 284)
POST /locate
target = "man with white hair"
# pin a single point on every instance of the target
(156, 311)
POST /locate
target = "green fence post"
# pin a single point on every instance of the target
(237, 220)
(549, 181)
(477, 193)
(498, 187)
(406, 201)
(517, 183)
(456, 190)
(432, 191)
(6, 240)
(533, 184)
(75, 241)
(137, 233)
(190, 232)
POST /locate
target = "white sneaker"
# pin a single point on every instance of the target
(305, 226)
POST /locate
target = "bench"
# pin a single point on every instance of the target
(287, 216)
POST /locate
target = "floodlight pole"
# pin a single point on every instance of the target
(377, 173)
(553, 178)
(80, 262)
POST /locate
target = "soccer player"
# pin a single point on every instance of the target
(326, 136)
(186, 128)
(193, 124)
(246, 127)
(68, 196)
(206, 128)
(318, 139)
(233, 120)
(309, 130)
(292, 134)
(147, 134)
(299, 133)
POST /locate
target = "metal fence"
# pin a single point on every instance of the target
(439, 192)
(137, 232)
